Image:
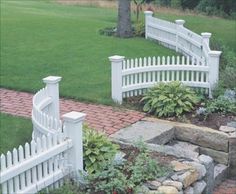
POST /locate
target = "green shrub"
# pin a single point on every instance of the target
(221, 105)
(227, 68)
(139, 29)
(169, 99)
(124, 177)
(97, 149)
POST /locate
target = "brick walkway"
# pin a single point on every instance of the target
(227, 187)
(103, 118)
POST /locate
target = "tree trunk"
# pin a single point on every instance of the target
(124, 27)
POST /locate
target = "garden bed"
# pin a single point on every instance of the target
(214, 120)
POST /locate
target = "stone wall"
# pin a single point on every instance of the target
(188, 177)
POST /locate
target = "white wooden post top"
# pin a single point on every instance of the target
(74, 117)
(51, 79)
(215, 53)
(148, 13)
(180, 22)
(206, 34)
(116, 58)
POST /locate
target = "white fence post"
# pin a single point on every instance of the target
(73, 122)
(148, 14)
(213, 62)
(52, 83)
(206, 37)
(180, 24)
(116, 77)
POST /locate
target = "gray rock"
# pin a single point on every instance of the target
(199, 187)
(207, 161)
(232, 156)
(174, 177)
(152, 185)
(178, 185)
(177, 152)
(184, 145)
(202, 136)
(189, 190)
(227, 129)
(199, 167)
(232, 124)
(232, 134)
(220, 173)
(152, 132)
(218, 156)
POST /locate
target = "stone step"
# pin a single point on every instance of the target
(150, 132)
(220, 173)
(184, 145)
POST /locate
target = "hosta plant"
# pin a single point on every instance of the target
(97, 149)
(169, 99)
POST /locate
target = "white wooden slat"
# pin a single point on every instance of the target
(3, 167)
(140, 62)
(39, 166)
(33, 153)
(28, 172)
(22, 175)
(9, 164)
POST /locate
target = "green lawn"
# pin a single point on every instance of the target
(39, 38)
(14, 131)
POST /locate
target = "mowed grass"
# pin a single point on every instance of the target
(41, 38)
(14, 131)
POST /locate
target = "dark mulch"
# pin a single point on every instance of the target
(213, 121)
(132, 152)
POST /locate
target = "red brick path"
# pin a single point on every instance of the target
(103, 118)
(227, 187)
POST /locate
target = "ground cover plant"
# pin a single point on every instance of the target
(46, 38)
(97, 149)
(169, 99)
(121, 174)
(14, 131)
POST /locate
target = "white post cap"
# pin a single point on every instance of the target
(74, 117)
(215, 53)
(148, 13)
(206, 34)
(180, 22)
(116, 58)
(51, 79)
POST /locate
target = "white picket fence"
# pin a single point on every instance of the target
(198, 68)
(47, 159)
(181, 39)
(45, 111)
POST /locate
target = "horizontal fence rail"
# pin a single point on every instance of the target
(56, 149)
(133, 77)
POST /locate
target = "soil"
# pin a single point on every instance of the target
(213, 121)
(132, 152)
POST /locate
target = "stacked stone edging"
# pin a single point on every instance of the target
(218, 144)
(188, 177)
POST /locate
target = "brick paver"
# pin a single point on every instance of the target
(226, 187)
(103, 118)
